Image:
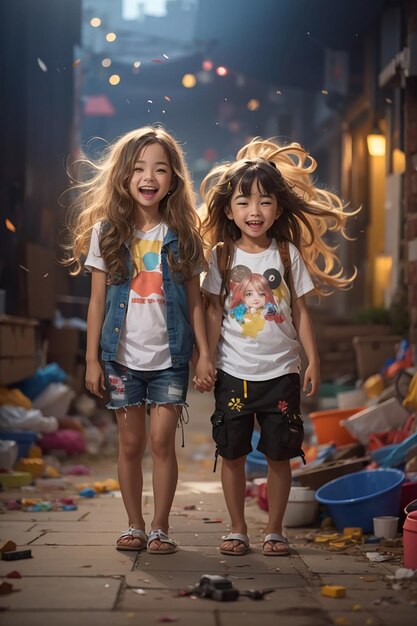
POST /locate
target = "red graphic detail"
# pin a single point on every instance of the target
(282, 406)
(146, 283)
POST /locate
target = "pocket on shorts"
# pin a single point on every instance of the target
(293, 431)
(219, 430)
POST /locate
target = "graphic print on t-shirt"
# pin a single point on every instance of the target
(146, 256)
(255, 299)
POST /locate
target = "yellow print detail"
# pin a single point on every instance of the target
(235, 404)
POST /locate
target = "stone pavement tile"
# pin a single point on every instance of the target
(72, 561)
(404, 614)
(63, 593)
(187, 580)
(19, 536)
(200, 538)
(322, 562)
(194, 559)
(356, 581)
(293, 617)
(103, 618)
(168, 601)
(76, 538)
(23, 526)
(85, 525)
(44, 516)
(363, 598)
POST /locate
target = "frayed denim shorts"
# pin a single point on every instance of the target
(129, 387)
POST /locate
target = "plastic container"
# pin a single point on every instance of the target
(351, 399)
(410, 540)
(24, 441)
(354, 500)
(327, 425)
(386, 526)
(302, 507)
(13, 480)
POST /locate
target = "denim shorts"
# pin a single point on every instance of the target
(129, 387)
(276, 405)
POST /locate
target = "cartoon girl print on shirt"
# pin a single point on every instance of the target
(255, 299)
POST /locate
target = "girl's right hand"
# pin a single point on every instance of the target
(94, 378)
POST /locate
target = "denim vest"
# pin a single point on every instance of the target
(180, 333)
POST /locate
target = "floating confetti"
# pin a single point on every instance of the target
(157, 61)
(46, 275)
(42, 65)
(167, 98)
(150, 101)
(324, 92)
(24, 268)
(10, 226)
(76, 62)
(166, 56)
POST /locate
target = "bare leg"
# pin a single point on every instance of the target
(278, 487)
(164, 419)
(234, 488)
(132, 443)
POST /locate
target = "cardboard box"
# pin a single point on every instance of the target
(38, 289)
(17, 348)
(14, 369)
(64, 340)
(64, 348)
(373, 352)
(17, 336)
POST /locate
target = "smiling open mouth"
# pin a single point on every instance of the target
(148, 192)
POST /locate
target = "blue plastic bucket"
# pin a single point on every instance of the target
(23, 439)
(354, 500)
(256, 464)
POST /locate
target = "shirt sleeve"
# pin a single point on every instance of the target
(212, 280)
(94, 258)
(301, 278)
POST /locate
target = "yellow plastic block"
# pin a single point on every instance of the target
(354, 532)
(333, 591)
(374, 386)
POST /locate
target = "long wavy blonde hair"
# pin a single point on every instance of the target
(105, 197)
(308, 212)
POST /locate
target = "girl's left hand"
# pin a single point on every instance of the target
(311, 377)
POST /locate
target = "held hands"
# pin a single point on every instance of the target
(312, 377)
(205, 374)
(94, 378)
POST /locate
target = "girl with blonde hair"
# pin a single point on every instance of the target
(134, 218)
(265, 216)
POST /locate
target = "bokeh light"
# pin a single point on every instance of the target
(189, 81)
(222, 70)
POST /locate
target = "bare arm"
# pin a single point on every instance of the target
(304, 327)
(94, 378)
(203, 364)
(214, 318)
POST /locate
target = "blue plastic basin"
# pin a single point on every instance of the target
(354, 500)
(23, 439)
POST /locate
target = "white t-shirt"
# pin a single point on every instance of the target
(258, 340)
(143, 343)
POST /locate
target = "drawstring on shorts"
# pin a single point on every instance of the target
(183, 420)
